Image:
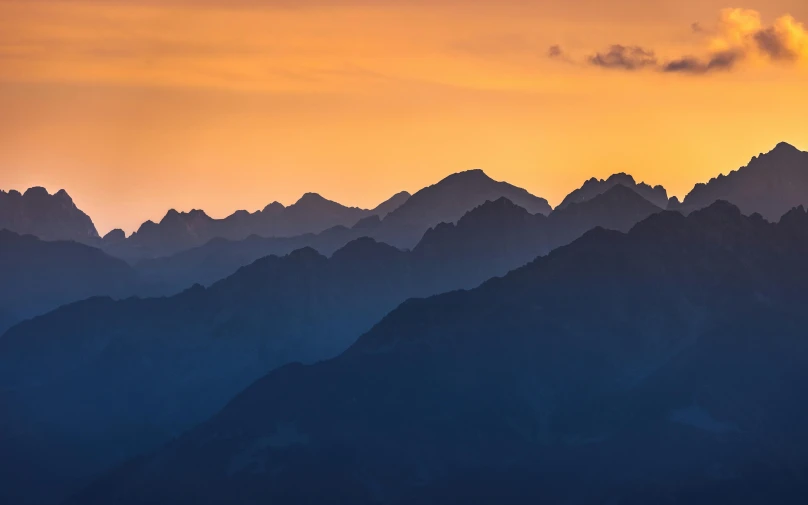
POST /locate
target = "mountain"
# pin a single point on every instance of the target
(446, 202)
(49, 217)
(180, 231)
(617, 208)
(221, 257)
(593, 187)
(38, 276)
(666, 365)
(86, 371)
(770, 185)
(391, 204)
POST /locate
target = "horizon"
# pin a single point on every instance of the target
(553, 203)
(138, 107)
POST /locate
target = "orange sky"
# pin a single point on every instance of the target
(135, 107)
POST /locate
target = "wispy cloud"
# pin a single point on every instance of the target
(739, 36)
(624, 58)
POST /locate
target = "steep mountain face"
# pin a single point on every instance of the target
(446, 202)
(38, 276)
(180, 231)
(770, 185)
(594, 187)
(666, 365)
(49, 217)
(85, 371)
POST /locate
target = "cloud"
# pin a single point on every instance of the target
(740, 36)
(690, 65)
(624, 58)
(555, 51)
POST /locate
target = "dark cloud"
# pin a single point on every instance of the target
(774, 44)
(690, 65)
(624, 58)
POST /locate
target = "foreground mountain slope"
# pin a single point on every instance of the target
(770, 185)
(662, 365)
(38, 276)
(49, 217)
(85, 371)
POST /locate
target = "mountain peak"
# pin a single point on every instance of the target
(475, 174)
(308, 198)
(784, 147)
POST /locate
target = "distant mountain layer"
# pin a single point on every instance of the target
(179, 231)
(593, 187)
(446, 202)
(38, 276)
(172, 362)
(666, 365)
(49, 217)
(400, 221)
(769, 185)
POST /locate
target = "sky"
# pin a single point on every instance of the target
(138, 106)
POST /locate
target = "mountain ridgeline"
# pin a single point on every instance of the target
(666, 365)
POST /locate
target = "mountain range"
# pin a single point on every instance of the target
(179, 231)
(611, 347)
(770, 184)
(665, 365)
(172, 362)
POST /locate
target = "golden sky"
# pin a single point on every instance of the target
(135, 107)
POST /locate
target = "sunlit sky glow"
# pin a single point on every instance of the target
(135, 107)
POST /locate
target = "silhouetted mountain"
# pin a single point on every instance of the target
(38, 276)
(180, 231)
(770, 185)
(666, 365)
(618, 208)
(114, 237)
(222, 257)
(391, 204)
(171, 362)
(446, 202)
(49, 217)
(594, 187)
